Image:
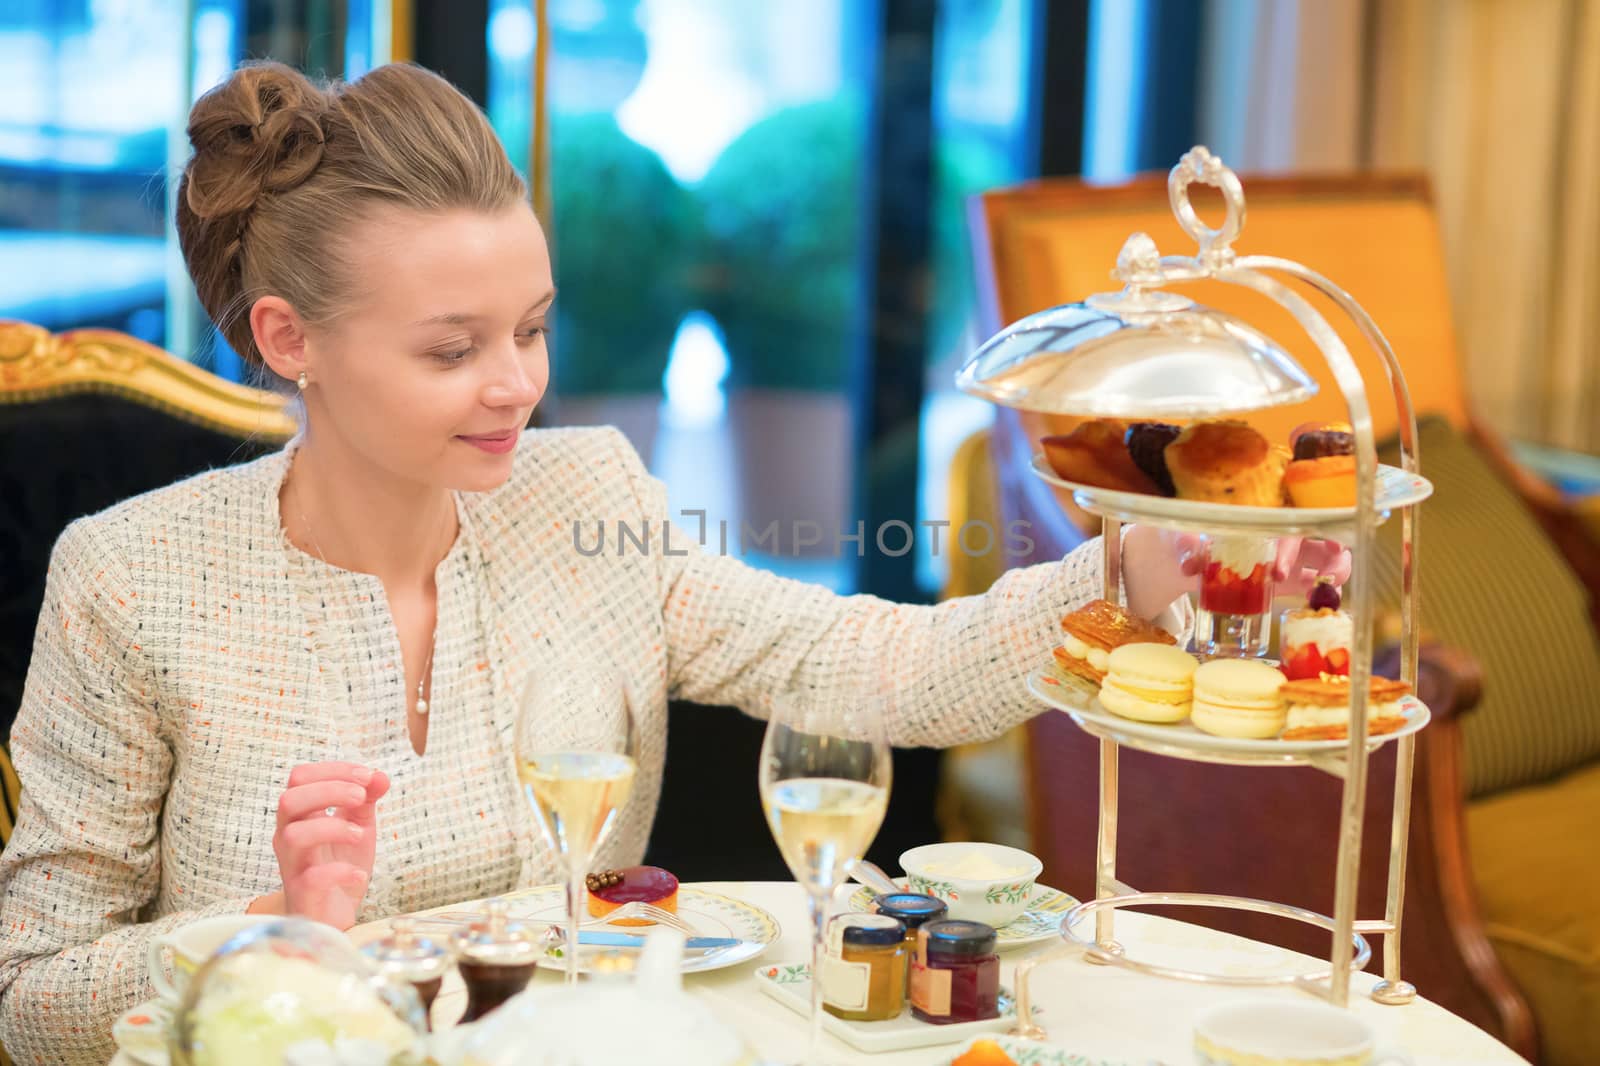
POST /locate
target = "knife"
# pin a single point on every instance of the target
(630, 940)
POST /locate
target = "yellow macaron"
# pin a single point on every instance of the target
(1239, 698)
(1149, 683)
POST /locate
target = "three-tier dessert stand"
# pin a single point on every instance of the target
(1149, 353)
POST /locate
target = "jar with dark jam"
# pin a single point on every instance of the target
(956, 977)
(415, 959)
(496, 958)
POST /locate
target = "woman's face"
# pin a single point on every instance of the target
(435, 366)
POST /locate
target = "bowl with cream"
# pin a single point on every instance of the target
(988, 883)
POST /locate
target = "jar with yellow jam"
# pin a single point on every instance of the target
(864, 968)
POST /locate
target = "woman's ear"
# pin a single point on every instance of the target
(280, 336)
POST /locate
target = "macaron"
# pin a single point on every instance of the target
(1239, 698)
(1149, 683)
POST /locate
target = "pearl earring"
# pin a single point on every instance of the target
(300, 382)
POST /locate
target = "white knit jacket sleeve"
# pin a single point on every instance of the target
(941, 675)
(84, 860)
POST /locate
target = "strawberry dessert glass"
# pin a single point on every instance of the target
(1235, 616)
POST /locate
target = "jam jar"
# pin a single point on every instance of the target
(956, 977)
(914, 910)
(496, 957)
(411, 958)
(864, 968)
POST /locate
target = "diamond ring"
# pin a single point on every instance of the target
(331, 811)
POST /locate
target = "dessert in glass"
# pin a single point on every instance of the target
(1235, 616)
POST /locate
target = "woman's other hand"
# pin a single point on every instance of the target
(325, 841)
(1160, 565)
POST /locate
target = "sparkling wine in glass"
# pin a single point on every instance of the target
(577, 789)
(824, 780)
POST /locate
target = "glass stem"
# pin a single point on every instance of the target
(819, 922)
(577, 866)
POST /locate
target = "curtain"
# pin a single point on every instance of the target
(1499, 102)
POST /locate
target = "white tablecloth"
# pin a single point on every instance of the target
(1096, 1011)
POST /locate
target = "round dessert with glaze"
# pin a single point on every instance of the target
(610, 889)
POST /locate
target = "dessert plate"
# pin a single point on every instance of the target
(1395, 488)
(1040, 922)
(1077, 698)
(709, 913)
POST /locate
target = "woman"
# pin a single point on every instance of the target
(233, 676)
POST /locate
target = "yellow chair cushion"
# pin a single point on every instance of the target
(1536, 867)
(1493, 584)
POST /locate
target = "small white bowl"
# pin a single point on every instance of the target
(994, 901)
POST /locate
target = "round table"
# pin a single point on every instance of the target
(1101, 1013)
(1096, 1011)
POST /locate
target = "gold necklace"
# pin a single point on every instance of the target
(421, 706)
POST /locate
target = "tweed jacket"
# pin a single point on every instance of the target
(188, 657)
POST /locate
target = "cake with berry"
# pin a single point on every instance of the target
(610, 889)
(1316, 638)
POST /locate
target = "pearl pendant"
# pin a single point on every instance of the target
(422, 706)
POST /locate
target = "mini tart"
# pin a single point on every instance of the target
(1326, 482)
(638, 884)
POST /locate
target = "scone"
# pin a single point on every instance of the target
(1226, 462)
(1238, 698)
(1149, 683)
(1095, 454)
(1093, 631)
(1319, 708)
(1147, 445)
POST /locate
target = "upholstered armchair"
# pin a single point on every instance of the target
(88, 418)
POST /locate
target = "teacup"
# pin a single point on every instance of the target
(1269, 1033)
(191, 945)
(978, 882)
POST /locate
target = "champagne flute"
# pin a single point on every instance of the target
(825, 786)
(577, 787)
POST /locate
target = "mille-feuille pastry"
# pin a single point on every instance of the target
(1147, 444)
(1226, 462)
(1319, 708)
(1092, 632)
(1238, 698)
(1149, 683)
(1323, 470)
(1095, 454)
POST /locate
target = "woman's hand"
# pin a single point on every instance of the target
(1158, 566)
(325, 859)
